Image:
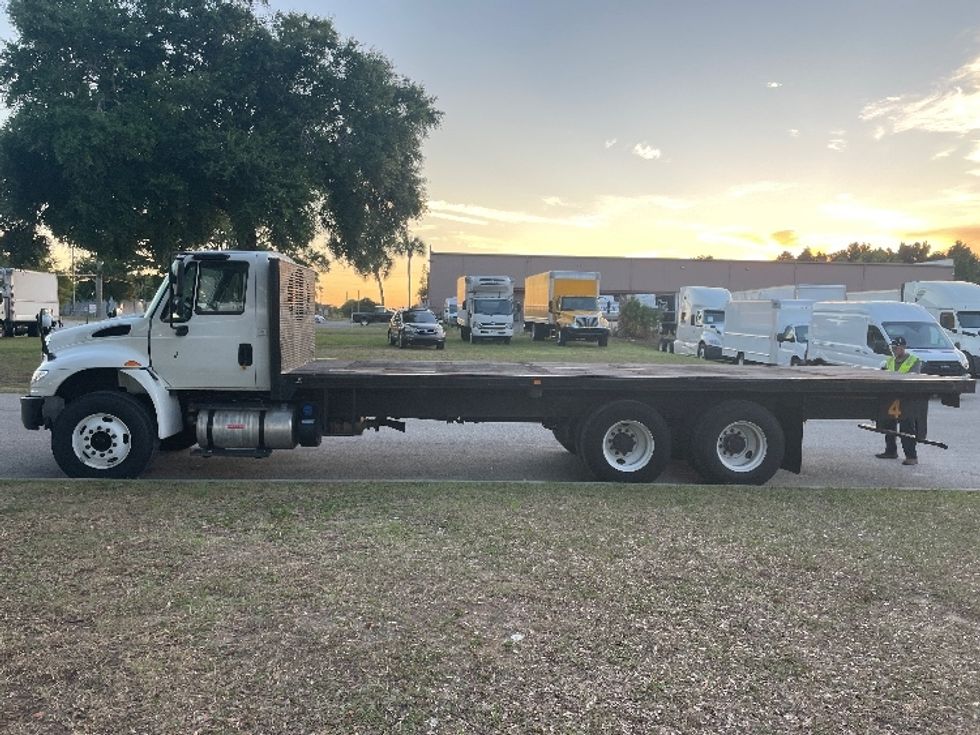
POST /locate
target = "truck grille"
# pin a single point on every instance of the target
(587, 321)
(942, 367)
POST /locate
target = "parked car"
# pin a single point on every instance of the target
(318, 319)
(416, 327)
(378, 314)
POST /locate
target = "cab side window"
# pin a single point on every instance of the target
(877, 341)
(947, 320)
(221, 288)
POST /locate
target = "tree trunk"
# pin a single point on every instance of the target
(381, 288)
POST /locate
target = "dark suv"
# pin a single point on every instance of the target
(416, 327)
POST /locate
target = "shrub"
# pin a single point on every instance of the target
(637, 321)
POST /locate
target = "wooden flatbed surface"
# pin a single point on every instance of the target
(811, 379)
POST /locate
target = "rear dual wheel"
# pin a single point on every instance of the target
(625, 441)
(737, 442)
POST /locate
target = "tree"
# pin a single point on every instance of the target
(637, 321)
(966, 265)
(142, 127)
(408, 246)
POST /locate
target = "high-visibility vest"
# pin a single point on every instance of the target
(907, 364)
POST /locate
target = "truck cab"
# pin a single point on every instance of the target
(485, 308)
(956, 306)
(701, 321)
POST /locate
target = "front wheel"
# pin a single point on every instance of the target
(104, 434)
(625, 441)
(364, 322)
(401, 340)
(702, 352)
(737, 442)
(562, 339)
(604, 340)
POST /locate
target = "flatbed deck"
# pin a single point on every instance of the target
(659, 376)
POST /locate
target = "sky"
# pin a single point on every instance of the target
(677, 129)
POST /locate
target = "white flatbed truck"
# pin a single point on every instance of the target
(224, 358)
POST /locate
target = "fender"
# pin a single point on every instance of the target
(170, 418)
(135, 377)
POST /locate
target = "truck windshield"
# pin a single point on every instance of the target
(492, 307)
(714, 317)
(969, 319)
(802, 330)
(579, 303)
(919, 335)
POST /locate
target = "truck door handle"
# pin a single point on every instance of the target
(244, 354)
(181, 330)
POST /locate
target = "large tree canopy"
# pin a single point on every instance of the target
(141, 127)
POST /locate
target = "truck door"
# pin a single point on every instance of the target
(211, 339)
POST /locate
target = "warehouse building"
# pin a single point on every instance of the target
(623, 276)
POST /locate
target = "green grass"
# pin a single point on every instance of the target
(19, 357)
(472, 608)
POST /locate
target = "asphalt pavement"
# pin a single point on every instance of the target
(835, 454)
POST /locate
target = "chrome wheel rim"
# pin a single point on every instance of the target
(101, 441)
(741, 446)
(628, 445)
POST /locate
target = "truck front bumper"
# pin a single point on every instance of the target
(585, 333)
(32, 412)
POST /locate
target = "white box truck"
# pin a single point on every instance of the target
(485, 308)
(449, 311)
(859, 334)
(24, 294)
(769, 332)
(564, 304)
(956, 306)
(810, 291)
(700, 321)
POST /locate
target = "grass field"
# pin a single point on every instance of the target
(482, 608)
(21, 355)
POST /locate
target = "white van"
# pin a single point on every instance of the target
(859, 333)
(956, 306)
(769, 332)
(700, 321)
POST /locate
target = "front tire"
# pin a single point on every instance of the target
(702, 352)
(737, 442)
(626, 441)
(105, 434)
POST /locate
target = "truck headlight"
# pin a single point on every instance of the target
(38, 376)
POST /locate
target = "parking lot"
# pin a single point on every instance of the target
(835, 454)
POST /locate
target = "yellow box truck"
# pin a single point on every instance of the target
(564, 304)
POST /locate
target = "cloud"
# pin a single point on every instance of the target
(969, 234)
(474, 214)
(760, 187)
(953, 106)
(974, 155)
(944, 153)
(879, 132)
(774, 85)
(611, 207)
(794, 132)
(786, 237)
(610, 142)
(554, 202)
(646, 151)
(837, 144)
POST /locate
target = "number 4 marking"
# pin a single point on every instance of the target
(895, 409)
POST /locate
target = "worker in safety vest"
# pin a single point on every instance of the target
(901, 361)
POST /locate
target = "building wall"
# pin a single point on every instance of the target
(666, 275)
